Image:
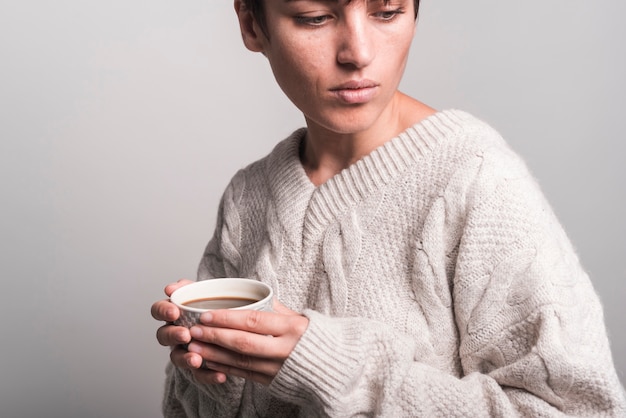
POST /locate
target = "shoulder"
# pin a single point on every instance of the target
(454, 143)
(459, 128)
(460, 136)
(283, 154)
(471, 166)
(255, 181)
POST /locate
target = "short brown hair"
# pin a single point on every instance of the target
(257, 7)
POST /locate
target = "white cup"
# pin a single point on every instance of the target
(228, 293)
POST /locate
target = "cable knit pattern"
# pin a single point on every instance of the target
(436, 278)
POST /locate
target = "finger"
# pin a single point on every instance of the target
(259, 322)
(208, 377)
(169, 289)
(171, 335)
(184, 359)
(164, 310)
(243, 342)
(217, 355)
(246, 374)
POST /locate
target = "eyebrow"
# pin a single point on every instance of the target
(319, 1)
(337, 1)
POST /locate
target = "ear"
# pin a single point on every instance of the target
(251, 32)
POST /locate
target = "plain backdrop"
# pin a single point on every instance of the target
(122, 122)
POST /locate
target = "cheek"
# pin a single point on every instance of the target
(396, 56)
(399, 44)
(294, 82)
(298, 71)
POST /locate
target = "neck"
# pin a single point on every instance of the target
(325, 153)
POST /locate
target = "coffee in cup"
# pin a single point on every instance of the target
(226, 293)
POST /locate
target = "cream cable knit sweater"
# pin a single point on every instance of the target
(437, 282)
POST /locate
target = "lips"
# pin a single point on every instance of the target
(356, 91)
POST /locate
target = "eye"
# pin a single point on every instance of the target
(312, 20)
(388, 15)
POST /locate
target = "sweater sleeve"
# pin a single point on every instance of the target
(532, 340)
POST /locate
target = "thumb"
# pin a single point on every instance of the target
(169, 289)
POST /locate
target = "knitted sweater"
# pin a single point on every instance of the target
(436, 279)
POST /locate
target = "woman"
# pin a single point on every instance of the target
(420, 271)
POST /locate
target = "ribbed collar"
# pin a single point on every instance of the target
(304, 209)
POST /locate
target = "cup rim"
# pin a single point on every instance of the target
(251, 306)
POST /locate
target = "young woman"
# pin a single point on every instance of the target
(420, 271)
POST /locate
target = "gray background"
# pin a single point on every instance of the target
(122, 121)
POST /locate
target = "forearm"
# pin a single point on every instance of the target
(354, 367)
(350, 367)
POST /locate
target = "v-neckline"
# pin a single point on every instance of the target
(305, 210)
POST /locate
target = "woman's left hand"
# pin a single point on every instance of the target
(249, 344)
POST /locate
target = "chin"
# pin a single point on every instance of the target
(351, 123)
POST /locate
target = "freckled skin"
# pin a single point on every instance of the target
(315, 48)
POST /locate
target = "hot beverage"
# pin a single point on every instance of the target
(219, 303)
(223, 293)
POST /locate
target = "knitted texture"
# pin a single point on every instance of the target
(437, 282)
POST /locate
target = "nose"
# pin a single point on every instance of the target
(355, 43)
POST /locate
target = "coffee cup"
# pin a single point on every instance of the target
(226, 293)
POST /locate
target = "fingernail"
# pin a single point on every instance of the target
(182, 337)
(206, 317)
(193, 347)
(193, 362)
(195, 332)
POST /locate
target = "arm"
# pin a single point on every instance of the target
(529, 317)
(532, 338)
